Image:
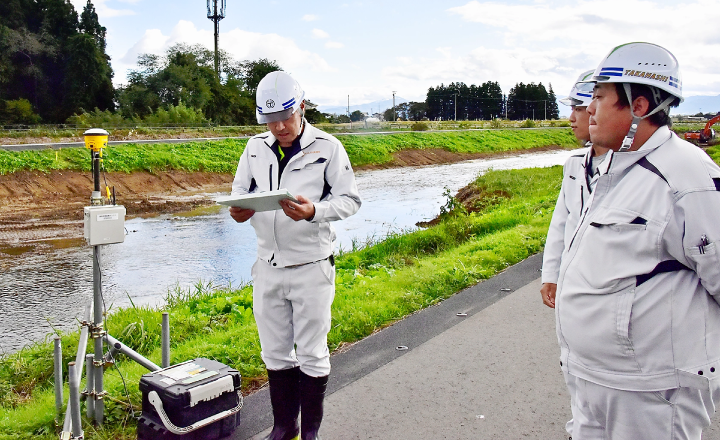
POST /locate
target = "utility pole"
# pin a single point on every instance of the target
(455, 100)
(216, 14)
(348, 112)
(394, 115)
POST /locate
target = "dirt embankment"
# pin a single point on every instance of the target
(38, 206)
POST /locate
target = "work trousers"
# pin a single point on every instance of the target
(292, 312)
(602, 413)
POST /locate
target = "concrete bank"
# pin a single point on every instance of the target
(492, 374)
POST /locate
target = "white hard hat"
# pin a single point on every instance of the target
(278, 97)
(645, 64)
(641, 63)
(582, 92)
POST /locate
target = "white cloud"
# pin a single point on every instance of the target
(310, 17)
(319, 33)
(242, 45)
(334, 45)
(102, 9)
(564, 39)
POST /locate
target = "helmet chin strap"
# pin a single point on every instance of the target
(664, 106)
(302, 121)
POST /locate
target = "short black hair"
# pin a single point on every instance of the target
(658, 119)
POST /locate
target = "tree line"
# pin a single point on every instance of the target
(460, 102)
(54, 69)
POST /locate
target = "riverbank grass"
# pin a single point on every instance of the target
(376, 286)
(222, 156)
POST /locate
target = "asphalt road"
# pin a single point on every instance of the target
(492, 373)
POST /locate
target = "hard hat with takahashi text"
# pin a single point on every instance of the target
(641, 63)
(644, 64)
(278, 97)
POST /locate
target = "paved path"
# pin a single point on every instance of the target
(493, 374)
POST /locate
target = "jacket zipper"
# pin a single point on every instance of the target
(271, 185)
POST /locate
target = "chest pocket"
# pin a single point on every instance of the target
(614, 238)
(309, 164)
(621, 224)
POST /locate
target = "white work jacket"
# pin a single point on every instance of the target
(321, 172)
(637, 300)
(574, 192)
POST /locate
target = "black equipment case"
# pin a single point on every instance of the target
(197, 399)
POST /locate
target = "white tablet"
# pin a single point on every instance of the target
(258, 202)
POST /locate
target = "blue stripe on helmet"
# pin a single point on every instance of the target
(584, 94)
(289, 101)
(673, 84)
(604, 73)
(259, 109)
(612, 69)
(289, 104)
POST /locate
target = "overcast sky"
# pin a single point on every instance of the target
(367, 49)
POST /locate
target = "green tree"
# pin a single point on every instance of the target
(552, 112)
(17, 112)
(45, 59)
(357, 115)
(90, 25)
(254, 71)
(312, 114)
(88, 78)
(417, 111)
(186, 75)
(530, 101)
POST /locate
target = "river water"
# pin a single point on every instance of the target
(46, 285)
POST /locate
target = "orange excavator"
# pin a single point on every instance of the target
(704, 136)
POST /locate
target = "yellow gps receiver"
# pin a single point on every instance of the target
(96, 139)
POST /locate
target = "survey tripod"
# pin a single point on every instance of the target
(104, 224)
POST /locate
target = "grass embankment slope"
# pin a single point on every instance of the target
(222, 156)
(376, 286)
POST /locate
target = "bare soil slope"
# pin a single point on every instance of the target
(44, 206)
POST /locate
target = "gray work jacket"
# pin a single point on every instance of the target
(637, 300)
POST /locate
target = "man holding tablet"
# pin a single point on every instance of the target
(294, 275)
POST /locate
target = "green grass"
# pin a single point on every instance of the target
(377, 149)
(70, 132)
(222, 156)
(714, 153)
(376, 286)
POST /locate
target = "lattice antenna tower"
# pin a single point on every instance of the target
(216, 12)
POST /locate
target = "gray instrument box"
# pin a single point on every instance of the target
(104, 224)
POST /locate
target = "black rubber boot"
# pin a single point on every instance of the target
(312, 394)
(285, 399)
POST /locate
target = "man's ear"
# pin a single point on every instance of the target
(640, 106)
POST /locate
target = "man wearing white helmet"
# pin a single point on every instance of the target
(294, 275)
(637, 312)
(580, 175)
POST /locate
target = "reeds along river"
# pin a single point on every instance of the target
(46, 286)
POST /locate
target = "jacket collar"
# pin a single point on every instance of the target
(619, 162)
